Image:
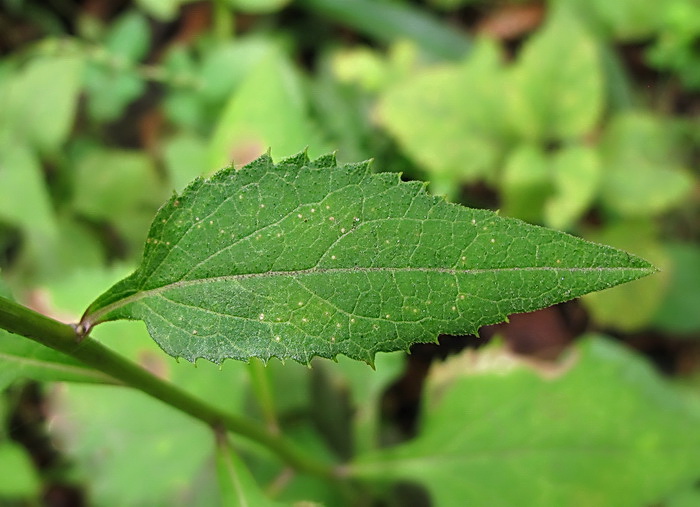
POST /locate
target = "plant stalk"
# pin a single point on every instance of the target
(392, 21)
(23, 321)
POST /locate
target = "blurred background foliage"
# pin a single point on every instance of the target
(581, 115)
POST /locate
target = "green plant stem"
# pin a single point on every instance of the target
(260, 380)
(23, 321)
(391, 21)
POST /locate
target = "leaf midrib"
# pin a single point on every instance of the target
(94, 318)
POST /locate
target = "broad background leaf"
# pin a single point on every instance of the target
(496, 432)
(303, 259)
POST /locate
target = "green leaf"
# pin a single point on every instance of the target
(22, 358)
(184, 155)
(602, 428)
(576, 174)
(558, 81)
(525, 183)
(268, 109)
(113, 83)
(162, 10)
(632, 306)
(237, 485)
(456, 134)
(307, 258)
(18, 478)
(365, 389)
(625, 19)
(259, 6)
(24, 198)
(678, 312)
(120, 186)
(641, 174)
(117, 437)
(40, 102)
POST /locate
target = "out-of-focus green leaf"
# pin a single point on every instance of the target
(113, 83)
(362, 65)
(341, 110)
(449, 118)
(689, 497)
(301, 489)
(394, 21)
(307, 258)
(371, 69)
(211, 78)
(162, 10)
(526, 183)
(22, 358)
(632, 306)
(24, 199)
(38, 103)
(675, 47)
(452, 4)
(680, 310)
(225, 67)
(18, 478)
(626, 20)
(185, 156)
(236, 483)
(129, 37)
(641, 172)
(602, 428)
(576, 174)
(366, 387)
(128, 448)
(558, 81)
(268, 109)
(259, 6)
(121, 187)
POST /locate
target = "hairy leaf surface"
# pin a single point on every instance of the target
(307, 258)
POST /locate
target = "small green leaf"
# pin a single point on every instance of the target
(18, 478)
(237, 485)
(456, 133)
(576, 174)
(525, 183)
(678, 312)
(308, 258)
(642, 174)
(558, 81)
(269, 108)
(34, 112)
(259, 6)
(113, 83)
(602, 428)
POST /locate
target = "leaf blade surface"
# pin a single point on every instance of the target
(305, 258)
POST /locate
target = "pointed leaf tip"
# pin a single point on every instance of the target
(302, 259)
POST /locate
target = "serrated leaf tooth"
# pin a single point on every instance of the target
(328, 160)
(300, 159)
(263, 161)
